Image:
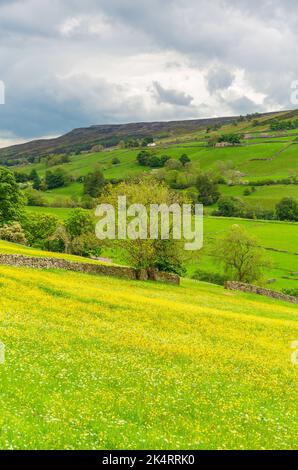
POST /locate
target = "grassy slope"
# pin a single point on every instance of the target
(12, 248)
(203, 157)
(94, 362)
(194, 144)
(271, 234)
(61, 212)
(266, 196)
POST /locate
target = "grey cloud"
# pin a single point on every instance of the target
(244, 105)
(219, 78)
(171, 96)
(47, 95)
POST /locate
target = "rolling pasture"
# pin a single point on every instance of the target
(265, 155)
(255, 161)
(103, 363)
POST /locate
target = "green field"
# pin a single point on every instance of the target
(102, 363)
(12, 248)
(272, 157)
(278, 238)
(244, 158)
(271, 235)
(61, 212)
(93, 362)
(265, 196)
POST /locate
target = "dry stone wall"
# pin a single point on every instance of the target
(240, 286)
(89, 268)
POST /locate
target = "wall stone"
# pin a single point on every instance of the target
(106, 270)
(241, 286)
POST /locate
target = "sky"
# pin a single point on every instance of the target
(73, 63)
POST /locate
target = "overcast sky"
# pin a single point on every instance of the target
(74, 63)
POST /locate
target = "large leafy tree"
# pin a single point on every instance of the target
(35, 179)
(207, 190)
(166, 255)
(240, 255)
(94, 184)
(39, 227)
(11, 198)
(79, 223)
(57, 178)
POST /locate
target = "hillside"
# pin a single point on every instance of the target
(265, 169)
(109, 135)
(85, 138)
(95, 362)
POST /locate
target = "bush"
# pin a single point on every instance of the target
(115, 161)
(35, 198)
(213, 278)
(56, 178)
(79, 223)
(233, 139)
(146, 158)
(230, 206)
(86, 245)
(94, 184)
(39, 227)
(247, 192)
(207, 189)
(13, 233)
(293, 292)
(11, 198)
(184, 159)
(287, 209)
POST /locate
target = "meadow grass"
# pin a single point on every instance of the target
(279, 239)
(61, 212)
(265, 196)
(15, 249)
(271, 235)
(102, 363)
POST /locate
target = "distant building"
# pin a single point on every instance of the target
(223, 144)
(153, 144)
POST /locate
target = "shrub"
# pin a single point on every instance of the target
(247, 192)
(230, 206)
(184, 159)
(56, 178)
(213, 278)
(293, 292)
(36, 182)
(11, 198)
(146, 158)
(207, 189)
(39, 227)
(287, 209)
(79, 223)
(86, 245)
(35, 198)
(13, 233)
(233, 139)
(94, 184)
